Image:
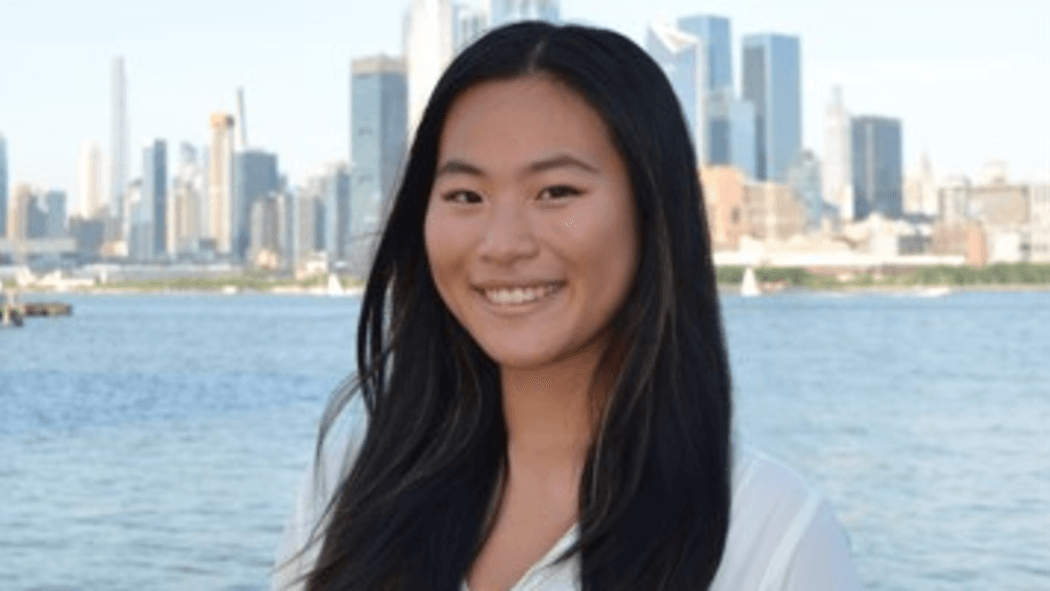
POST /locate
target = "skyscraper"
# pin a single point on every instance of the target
(714, 30)
(3, 186)
(508, 11)
(186, 203)
(468, 23)
(220, 182)
(118, 141)
(837, 178)
(683, 57)
(90, 180)
(55, 218)
(332, 190)
(772, 82)
(155, 193)
(254, 177)
(379, 123)
(428, 37)
(877, 178)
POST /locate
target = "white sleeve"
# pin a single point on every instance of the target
(296, 555)
(821, 560)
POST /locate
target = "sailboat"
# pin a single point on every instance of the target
(749, 286)
(335, 288)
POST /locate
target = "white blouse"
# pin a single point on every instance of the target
(783, 534)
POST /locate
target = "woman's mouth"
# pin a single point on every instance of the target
(520, 294)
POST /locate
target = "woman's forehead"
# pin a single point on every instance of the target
(522, 120)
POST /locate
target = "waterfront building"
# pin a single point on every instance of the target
(139, 230)
(118, 141)
(155, 194)
(804, 178)
(254, 177)
(220, 183)
(54, 219)
(1039, 211)
(90, 169)
(427, 48)
(379, 124)
(683, 58)
(333, 188)
(953, 199)
(771, 76)
(876, 150)
(308, 227)
(837, 176)
(265, 231)
(37, 221)
(508, 11)
(3, 186)
(18, 218)
(773, 211)
(919, 193)
(186, 210)
(724, 205)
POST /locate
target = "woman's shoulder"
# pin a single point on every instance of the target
(783, 533)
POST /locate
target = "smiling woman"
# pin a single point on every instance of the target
(541, 360)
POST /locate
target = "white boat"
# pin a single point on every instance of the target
(935, 292)
(749, 286)
(335, 288)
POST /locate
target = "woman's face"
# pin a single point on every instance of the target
(530, 230)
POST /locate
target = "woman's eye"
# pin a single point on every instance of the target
(463, 197)
(558, 191)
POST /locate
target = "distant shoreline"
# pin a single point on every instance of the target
(730, 288)
(723, 289)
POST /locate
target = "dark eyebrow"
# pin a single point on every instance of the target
(559, 161)
(459, 167)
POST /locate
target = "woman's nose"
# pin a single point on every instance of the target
(509, 236)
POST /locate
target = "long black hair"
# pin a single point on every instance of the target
(655, 492)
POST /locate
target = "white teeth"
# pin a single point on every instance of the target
(519, 295)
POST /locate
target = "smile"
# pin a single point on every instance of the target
(518, 295)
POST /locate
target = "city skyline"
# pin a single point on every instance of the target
(297, 95)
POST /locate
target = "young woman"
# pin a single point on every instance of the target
(541, 360)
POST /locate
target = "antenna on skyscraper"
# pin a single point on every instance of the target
(240, 118)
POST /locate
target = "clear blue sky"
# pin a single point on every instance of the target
(970, 79)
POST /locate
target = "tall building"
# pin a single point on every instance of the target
(37, 222)
(220, 183)
(118, 140)
(18, 220)
(876, 165)
(379, 124)
(468, 23)
(254, 177)
(186, 211)
(742, 150)
(428, 38)
(155, 194)
(804, 178)
(139, 227)
(3, 186)
(55, 215)
(838, 179)
(90, 204)
(772, 82)
(714, 30)
(683, 58)
(508, 11)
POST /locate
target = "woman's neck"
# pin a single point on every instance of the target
(551, 413)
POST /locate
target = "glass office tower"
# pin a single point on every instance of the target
(772, 83)
(876, 165)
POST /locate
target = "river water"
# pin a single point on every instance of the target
(156, 442)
